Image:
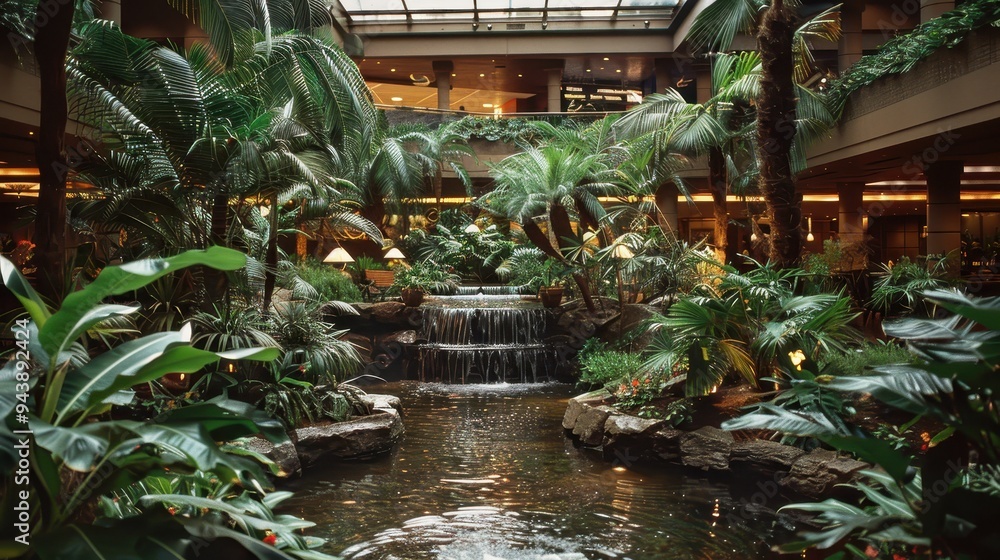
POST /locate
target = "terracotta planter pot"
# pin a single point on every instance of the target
(551, 297)
(412, 297)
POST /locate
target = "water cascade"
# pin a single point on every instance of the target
(492, 290)
(485, 345)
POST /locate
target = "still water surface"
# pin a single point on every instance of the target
(485, 473)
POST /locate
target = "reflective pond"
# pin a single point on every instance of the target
(485, 473)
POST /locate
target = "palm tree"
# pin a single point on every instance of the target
(195, 137)
(543, 187)
(784, 56)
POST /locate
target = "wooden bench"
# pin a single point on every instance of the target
(377, 281)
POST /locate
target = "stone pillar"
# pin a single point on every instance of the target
(555, 93)
(703, 83)
(666, 203)
(111, 10)
(442, 77)
(851, 217)
(851, 45)
(930, 9)
(944, 208)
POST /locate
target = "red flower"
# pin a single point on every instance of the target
(898, 557)
(172, 510)
(635, 382)
(871, 552)
(270, 538)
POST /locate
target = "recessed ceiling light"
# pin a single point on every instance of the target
(392, 69)
(378, 62)
(602, 68)
(397, 98)
(619, 70)
(482, 75)
(488, 105)
(453, 75)
(588, 69)
(520, 75)
(31, 133)
(606, 58)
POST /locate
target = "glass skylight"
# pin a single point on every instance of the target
(392, 11)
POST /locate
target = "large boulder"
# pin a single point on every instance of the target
(817, 472)
(764, 457)
(390, 312)
(361, 342)
(580, 403)
(284, 455)
(628, 437)
(408, 336)
(707, 448)
(359, 437)
(382, 402)
(589, 428)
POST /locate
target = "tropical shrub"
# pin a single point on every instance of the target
(473, 255)
(604, 367)
(330, 284)
(524, 267)
(898, 287)
(78, 453)
(311, 349)
(940, 504)
(742, 324)
(856, 361)
(427, 276)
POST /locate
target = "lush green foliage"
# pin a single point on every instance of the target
(901, 54)
(473, 255)
(744, 324)
(515, 131)
(427, 276)
(899, 287)
(330, 284)
(943, 501)
(857, 361)
(68, 398)
(312, 349)
(601, 366)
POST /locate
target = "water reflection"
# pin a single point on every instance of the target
(485, 473)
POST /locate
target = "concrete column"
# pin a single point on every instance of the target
(930, 9)
(111, 10)
(703, 83)
(851, 217)
(442, 77)
(944, 207)
(666, 203)
(851, 45)
(555, 93)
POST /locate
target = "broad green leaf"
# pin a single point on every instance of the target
(22, 290)
(227, 420)
(101, 373)
(121, 279)
(89, 319)
(79, 448)
(178, 359)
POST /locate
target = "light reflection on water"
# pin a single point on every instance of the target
(484, 473)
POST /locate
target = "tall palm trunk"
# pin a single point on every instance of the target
(51, 44)
(216, 281)
(718, 181)
(538, 237)
(271, 256)
(563, 228)
(775, 131)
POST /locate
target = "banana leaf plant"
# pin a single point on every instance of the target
(76, 453)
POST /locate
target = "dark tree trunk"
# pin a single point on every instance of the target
(216, 281)
(564, 230)
(271, 256)
(775, 131)
(51, 44)
(718, 180)
(665, 199)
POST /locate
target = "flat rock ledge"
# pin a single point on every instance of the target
(624, 438)
(357, 438)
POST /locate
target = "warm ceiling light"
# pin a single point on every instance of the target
(588, 69)
(453, 75)
(606, 58)
(488, 105)
(378, 62)
(339, 255)
(397, 98)
(392, 69)
(482, 75)
(520, 75)
(31, 133)
(619, 70)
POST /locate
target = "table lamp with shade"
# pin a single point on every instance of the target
(339, 256)
(394, 255)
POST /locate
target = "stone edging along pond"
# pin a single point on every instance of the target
(359, 437)
(593, 423)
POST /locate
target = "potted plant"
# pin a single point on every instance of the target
(551, 291)
(422, 278)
